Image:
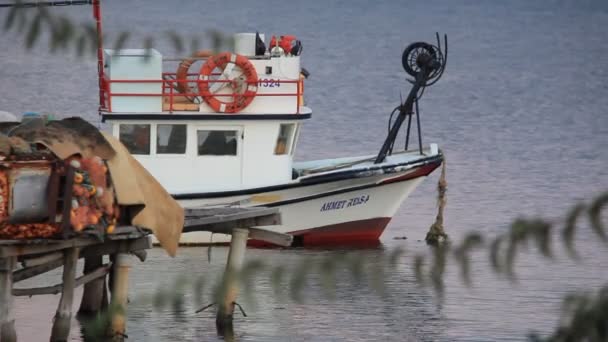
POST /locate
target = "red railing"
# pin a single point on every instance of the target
(170, 93)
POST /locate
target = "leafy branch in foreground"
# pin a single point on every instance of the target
(585, 317)
(503, 249)
(64, 34)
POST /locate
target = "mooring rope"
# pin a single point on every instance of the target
(436, 232)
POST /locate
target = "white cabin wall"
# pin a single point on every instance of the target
(255, 165)
(135, 64)
(261, 167)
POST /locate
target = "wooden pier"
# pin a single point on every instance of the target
(38, 256)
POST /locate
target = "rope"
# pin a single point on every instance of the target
(436, 232)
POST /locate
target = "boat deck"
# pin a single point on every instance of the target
(325, 166)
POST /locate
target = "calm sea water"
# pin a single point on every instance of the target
(521, 114)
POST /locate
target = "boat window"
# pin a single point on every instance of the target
(293, 142)
(170, 139)
(136, 138)
(216, 143)
(284, 139)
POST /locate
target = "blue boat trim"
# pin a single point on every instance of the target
(203, 117)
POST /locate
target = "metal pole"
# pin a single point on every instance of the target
(418, 124)
(407, 136)
(405, 109)
(100, 71)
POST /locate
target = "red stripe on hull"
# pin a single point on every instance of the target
(348, 233)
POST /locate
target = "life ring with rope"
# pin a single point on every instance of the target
(184, 67)
(244, 86)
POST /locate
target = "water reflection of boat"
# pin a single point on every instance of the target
(228, 134)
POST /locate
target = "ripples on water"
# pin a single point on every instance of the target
(520, 113)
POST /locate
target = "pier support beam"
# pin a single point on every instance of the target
(94, 298)
(236, 255)
(120, 290)
(63, 316)
(7, 318)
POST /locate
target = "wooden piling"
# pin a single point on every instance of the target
(120, 289)
(236, 255)
(63, 316)
(93, 297)
(7, 318)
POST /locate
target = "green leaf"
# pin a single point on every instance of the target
(394, 257)
(276, 279)
(495, 254)
(418, 270)
(10, 18)
(595, 210)
(176, 40)
(34, 32)
(81, 45)
(120, 41)
(194, 45)
(570, 229)
(471, 241)
(327, 268)
(355, 264)
(198, 287)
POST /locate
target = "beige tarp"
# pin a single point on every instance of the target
(150, 205)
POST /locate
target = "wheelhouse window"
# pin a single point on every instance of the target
(136, 138)
(285, 139)
(170, 139)
(216, 143)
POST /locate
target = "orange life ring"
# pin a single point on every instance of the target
(184, 66)
(244, 88)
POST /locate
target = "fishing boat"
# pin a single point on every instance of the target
(225, 134)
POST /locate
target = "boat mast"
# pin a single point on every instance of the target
(426, 63)
(100, 71)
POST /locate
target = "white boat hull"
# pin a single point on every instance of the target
(344, 211)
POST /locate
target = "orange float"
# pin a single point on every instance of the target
(184, 67)
(244, 88)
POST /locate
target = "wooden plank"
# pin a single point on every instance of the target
(268, 220)
(7, 318)
(204, 221)
(211, 216)
(117, 246)
(28, 248)
(109, 247)
(276, 238)
(40, 260)
(38, 246)
(29, 272)
(61, 324)
(55, 289)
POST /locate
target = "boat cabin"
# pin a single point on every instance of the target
(231, 125)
